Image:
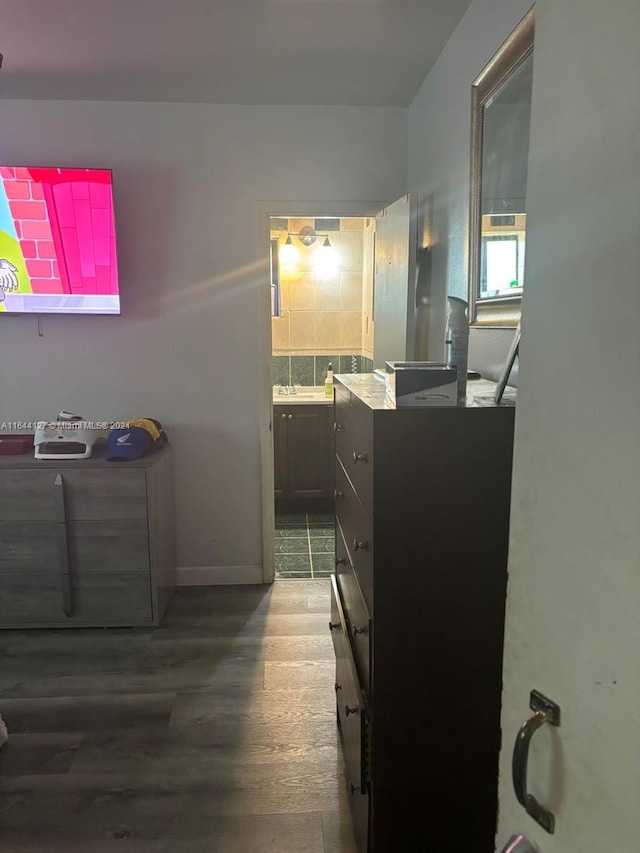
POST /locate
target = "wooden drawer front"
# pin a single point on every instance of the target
(349, 702)
(105, 493)
(354, 446)
(112, 546)
(358, 534)
(356, 613)
(28, 546)
(100, 598)
(27, 495)
(337, 623)
(90, 494)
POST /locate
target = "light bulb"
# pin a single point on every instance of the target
(289, 255)
(326, 259)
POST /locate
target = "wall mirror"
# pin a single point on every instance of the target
(500, 120)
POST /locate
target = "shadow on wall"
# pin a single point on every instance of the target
(150, 269)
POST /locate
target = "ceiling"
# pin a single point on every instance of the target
(316, 52)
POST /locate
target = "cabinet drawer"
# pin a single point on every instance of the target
(349, 702)
(98, 598)
(110, 546)
(28, 546)
(27, 495)
(90, 494)
(358, 534)
(355, 612)
(354, 445)
(105, 493)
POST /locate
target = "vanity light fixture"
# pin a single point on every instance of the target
(289, 255)
(325, 258)
(307, 236)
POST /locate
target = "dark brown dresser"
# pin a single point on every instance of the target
(85, 542)
(417, 619)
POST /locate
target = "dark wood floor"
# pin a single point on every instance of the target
(214, 733)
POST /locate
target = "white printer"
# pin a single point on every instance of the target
(68, 437)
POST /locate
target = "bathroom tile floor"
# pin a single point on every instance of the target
(304, 545)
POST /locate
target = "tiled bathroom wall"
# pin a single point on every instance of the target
(322, 315)
(312, 369)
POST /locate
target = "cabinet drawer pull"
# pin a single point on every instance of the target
(348, 710)
(63, 545)
(337, 686)
(340, 561)
(358, 457)
(357, 629)
(353, 789)
(338, 427)
(338, 493)
(290, 417)
(283, 415)
(333, 625)
(360, 546)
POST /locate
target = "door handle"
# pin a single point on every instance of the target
(546, 711)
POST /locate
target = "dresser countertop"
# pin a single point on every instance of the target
(370, 388)
(96, 460)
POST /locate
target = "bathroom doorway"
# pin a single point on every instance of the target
(323, 311)
(321, 324)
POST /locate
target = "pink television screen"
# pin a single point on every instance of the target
(57, 241)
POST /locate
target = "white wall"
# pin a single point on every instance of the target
(193, 256)
(573, 608)
(439, 155)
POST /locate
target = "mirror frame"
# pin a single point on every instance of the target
(497, 310)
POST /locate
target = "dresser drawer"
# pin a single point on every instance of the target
(109, 546)
(358, 533)
(355, 612)
(354, 445)
(92, 494)
(349, 701)
(28, 546)
(97, 598)
(27, 495)
(97, 494)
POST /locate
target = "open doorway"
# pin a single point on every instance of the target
(316, 316)
(321, 323)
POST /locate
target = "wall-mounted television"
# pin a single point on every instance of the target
(57, 241)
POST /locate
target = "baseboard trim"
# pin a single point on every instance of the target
(217, 575)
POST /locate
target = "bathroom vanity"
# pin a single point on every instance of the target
(303, 445)
(417, 614)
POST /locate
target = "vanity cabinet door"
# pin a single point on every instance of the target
(302, 451)
(308, 451)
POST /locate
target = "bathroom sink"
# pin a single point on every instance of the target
(309, 395)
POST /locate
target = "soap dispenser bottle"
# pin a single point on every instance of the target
(457, 341)
(328, 382)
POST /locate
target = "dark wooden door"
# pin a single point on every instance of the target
(303, 451)
(308, 451)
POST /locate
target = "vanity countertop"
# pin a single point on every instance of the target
(303, 395)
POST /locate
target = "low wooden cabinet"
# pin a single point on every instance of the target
(85, 542)
(303, 450)
(417, 615)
